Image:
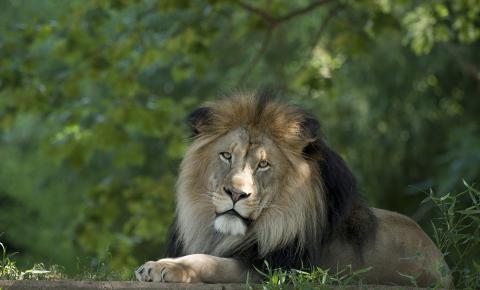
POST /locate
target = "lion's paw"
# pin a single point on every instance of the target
(165, 270)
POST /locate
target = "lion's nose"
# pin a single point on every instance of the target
(236, 195)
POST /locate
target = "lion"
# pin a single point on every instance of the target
(259, 183)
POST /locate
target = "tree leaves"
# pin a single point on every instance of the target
(109, 83)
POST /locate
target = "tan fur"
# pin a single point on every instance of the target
(279, 130)
(400, 249)
(282, 200)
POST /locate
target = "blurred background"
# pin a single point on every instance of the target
(93, 97)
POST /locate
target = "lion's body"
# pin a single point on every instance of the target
(259, 183)
(400, 249)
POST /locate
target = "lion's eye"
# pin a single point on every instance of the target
(263, 165)
(226, 156)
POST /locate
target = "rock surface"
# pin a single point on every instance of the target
(71, 284)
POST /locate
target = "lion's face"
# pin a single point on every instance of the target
(242, 175)
(250, 174)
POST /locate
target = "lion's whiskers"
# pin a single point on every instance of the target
(215, 196)
(212, 194)
(270, 206)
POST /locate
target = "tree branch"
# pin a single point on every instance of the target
(263, 14)
(324, 25)
(258, 56)
(274, 21)
(303, 10)
(318, 35)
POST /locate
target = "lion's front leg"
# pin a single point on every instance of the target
(194, 268)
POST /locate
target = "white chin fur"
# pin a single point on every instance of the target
(230, 225)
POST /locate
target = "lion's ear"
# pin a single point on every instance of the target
(198, 119)
(311, 133)
(310, 127)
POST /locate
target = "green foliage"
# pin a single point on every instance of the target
(441, 21)
(35, 210)
(316, 279)
(457, 233)
(100, 269)
(9, 270)
(7, 266)
(93, 270)
(93, 97)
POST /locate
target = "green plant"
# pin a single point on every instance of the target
(9, 271)
(318, 278)
(456, 231)
(99, 269)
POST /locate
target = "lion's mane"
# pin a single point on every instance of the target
(319, 200)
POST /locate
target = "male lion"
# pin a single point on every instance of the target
(258, 184)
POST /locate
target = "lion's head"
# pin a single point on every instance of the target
(252, 175)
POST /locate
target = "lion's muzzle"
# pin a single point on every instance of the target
(236, 195)
(233, 212)
(230, 221)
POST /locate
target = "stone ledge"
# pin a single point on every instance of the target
(124, 285)
(80, 285)
(72, 284)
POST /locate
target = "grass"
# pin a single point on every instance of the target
(9, 271)
(99, 269)
(456, 231)
(93, 270)
(318, 278)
